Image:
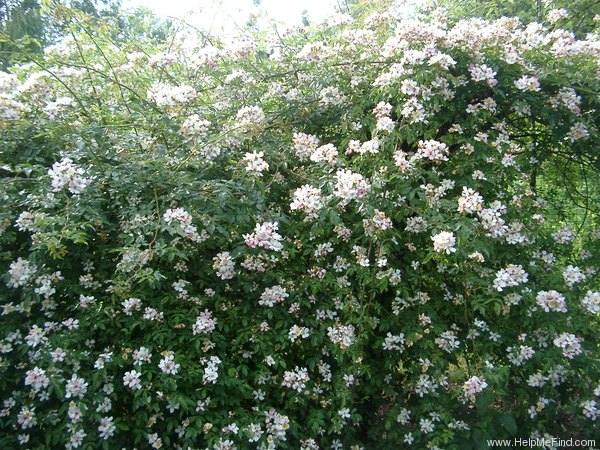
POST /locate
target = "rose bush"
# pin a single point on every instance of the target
(317, 238)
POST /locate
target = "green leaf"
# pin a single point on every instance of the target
(509, 423)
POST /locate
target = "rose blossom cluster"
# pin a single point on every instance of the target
(304, 145)
(432, 150)
(444, 242)
(296, 379)
(474, 385)
(273, 295)
(551, 301)
(350, 185)
(255, 165)
(513, 275)
(569, 344)
(265, 236)
(21, 272)
(167, 95)
(182, 220)
(251, 118)
(224, 265)
(205, 323)
(470, 201)
(309, 200)
(342, 335)
(65, 174)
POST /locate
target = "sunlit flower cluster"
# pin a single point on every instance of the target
(167, 95)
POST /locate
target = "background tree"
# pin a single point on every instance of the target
(19, 19)
(31, 25)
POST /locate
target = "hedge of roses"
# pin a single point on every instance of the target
(317, 238)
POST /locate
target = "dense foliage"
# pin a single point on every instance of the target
(331, 237)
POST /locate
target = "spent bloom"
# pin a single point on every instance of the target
(476, 256)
